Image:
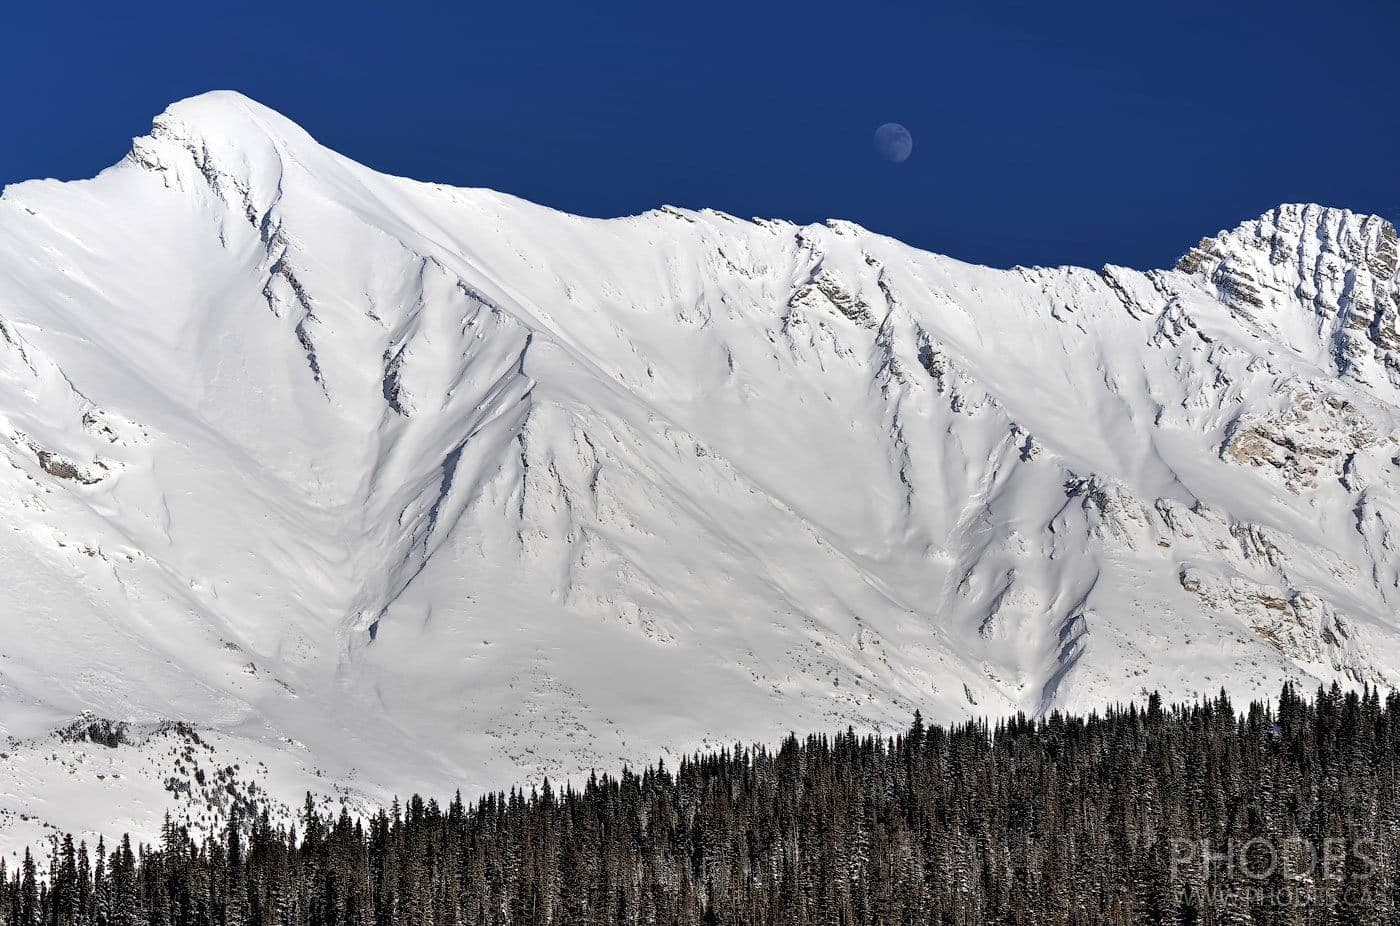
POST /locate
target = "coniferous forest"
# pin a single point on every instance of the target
(1197, 814)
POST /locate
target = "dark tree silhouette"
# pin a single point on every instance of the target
(1190, 815)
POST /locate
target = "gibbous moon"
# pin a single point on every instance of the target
(894, 142)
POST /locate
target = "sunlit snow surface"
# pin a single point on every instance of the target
(386, 486)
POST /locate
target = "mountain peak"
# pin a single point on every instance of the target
(228, 115)
(225, 142)
(1326, 281)
(1301, 231)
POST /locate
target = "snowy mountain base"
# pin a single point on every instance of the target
(321, 479)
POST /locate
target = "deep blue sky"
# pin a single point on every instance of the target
(1053, 131)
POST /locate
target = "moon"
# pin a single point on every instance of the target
(894, 142)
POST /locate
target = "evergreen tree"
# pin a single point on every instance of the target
(1158, 815)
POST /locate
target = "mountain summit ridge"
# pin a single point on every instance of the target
(378, 485)
(1311, 272)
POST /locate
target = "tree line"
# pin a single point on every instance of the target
(1197, 814)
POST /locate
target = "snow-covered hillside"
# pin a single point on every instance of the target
(319, 478)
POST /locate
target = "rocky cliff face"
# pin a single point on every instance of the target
(331, 480)
(1315, 278)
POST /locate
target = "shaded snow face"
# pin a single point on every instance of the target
(395, 487)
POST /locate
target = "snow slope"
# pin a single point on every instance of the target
(380, 486)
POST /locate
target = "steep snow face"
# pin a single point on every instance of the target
(378, 485)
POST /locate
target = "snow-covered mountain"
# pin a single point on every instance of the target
(319, 478)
